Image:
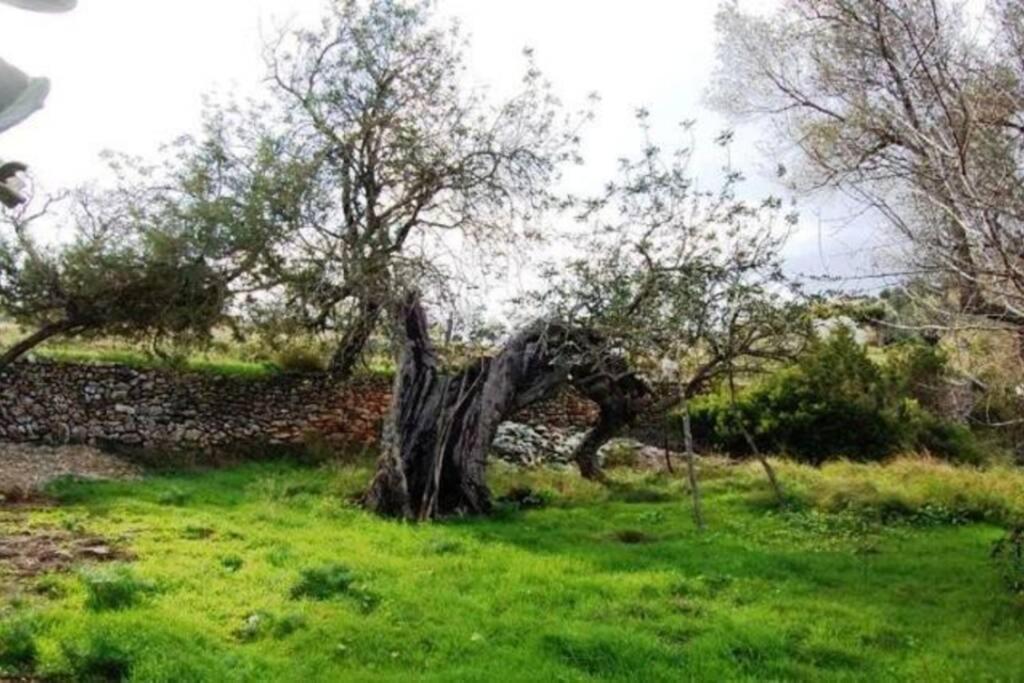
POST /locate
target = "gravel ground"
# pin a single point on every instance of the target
(25, 470)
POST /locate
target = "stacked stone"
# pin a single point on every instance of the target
(60, 403)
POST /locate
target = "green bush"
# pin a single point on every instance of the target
(18, 652)
(113, 588)
(323, 583)
(100, 659)
(298, 358)
(836, 402)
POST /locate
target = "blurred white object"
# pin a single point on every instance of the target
(826, 327)
(669, 369)
(20, 96)
(42, 5)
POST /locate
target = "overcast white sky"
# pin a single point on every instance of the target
(129, 74)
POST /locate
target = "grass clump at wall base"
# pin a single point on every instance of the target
(912, 488)
(304, 359)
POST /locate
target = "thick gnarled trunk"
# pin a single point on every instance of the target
(442, 425)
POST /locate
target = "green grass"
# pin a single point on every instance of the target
(230, 367)
(289, 581)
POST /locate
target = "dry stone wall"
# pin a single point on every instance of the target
(108, 405)
(157, 409)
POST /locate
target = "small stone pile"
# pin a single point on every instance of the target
(529, 446)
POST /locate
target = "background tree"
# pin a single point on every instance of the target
(396, 158)
(914, 109)
(118, 274)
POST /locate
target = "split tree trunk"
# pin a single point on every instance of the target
(442, 425)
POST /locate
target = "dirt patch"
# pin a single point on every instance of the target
(27, 552)
(26, 470)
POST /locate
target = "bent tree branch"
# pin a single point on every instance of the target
(41, 335)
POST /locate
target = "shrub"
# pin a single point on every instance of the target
(1008, 553)
(113, 588)
(621, 455)
(323, 583)
(298, 358)
(101, 659)
(329, 581)
(916, 370)
(836, 402)
(18, 652)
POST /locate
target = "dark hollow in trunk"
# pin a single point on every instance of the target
(442, 425)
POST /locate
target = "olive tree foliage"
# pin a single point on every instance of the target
(686, 281)
(396, 159)
(914, 109)
(112, 274)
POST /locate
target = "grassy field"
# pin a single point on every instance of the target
(269, 572)
(223, 359)
(223, 356)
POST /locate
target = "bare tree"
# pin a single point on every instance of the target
(916, 110)
(116, 275)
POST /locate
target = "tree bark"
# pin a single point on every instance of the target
(27, 344)
(353, 343)
(442, 425)
(691, 466)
